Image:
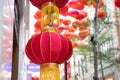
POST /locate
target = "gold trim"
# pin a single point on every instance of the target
(52, 65)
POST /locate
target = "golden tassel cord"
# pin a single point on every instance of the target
(49, 71)
(49, 15)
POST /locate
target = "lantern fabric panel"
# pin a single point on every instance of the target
(30, 53)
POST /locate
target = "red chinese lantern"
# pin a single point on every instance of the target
(101, 13)
(117, 3)
(74, 13)
(39, 3)
(37, 24)
(64, 10)
(85, 22)
(60, 29)
(82, 14)
(87, 2)
(49, 49)
(66, 22)
(70, 28)
(83, 34)
(76, 23)
(76, 5)
(37, 15)
(100, 5)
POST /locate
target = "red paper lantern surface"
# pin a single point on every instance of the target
(39, 3)
(117, 3)
(76, 5)
(37, 15)
(49, 47)
(101, 13)
(64, 10)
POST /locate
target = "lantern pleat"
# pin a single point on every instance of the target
(31, 55)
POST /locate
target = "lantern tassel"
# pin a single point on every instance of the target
(49, 71)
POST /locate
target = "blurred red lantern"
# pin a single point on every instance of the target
(85, 22)
(117, 3)
(66, 22)
(35, 78)
(49, 47)
(74, 13)
(100, 5)
(83, 34)
(64, 10)
(70, 35)
(76, 23)
(101, 13)
(82, 14)
(87, 2)
(60, 29)
(37, 25)
(76, 5)
(70, 28)
(37, 15)
(39, 3)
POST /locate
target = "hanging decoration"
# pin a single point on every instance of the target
(117, 3)
(87, 2)
(76, 5)
(101, 13)
(64, 10)
(100, 5)
(48, 48)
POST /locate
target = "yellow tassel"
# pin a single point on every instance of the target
(49, 15)
(49, 71)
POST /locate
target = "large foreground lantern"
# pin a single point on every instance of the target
(49, 48)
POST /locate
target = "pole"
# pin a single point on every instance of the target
(94, 42)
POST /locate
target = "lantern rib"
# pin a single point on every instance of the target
(28, 54)
(60, 48)
(41, 49)
(33, 51)
(67, 49)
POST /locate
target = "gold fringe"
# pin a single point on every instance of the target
(49, 71)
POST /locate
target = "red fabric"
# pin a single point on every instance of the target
(49, 47)
(39, 3)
